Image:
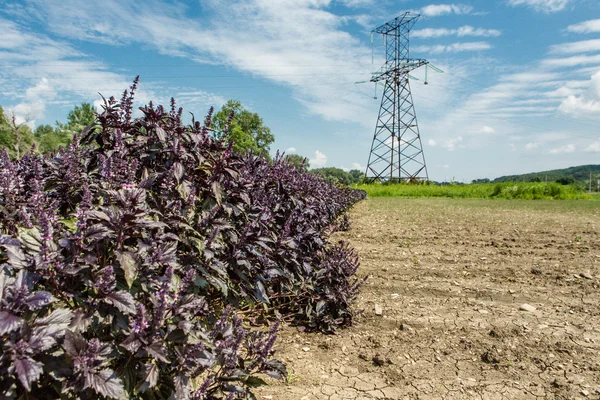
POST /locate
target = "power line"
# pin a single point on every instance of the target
(200, 76)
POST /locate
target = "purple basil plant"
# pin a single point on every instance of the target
(124, 257)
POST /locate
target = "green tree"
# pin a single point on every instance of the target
(16, 137)
(77, 119)
(301, 163)
(333, 175)
(247, 129)
(356, 176)
(49, 139)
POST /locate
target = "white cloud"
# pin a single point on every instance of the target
(432, 142)
(532, 145)
(487, 129)
(570, 148)
(41, 71)
(571, 61)
(356, 3)
(546, 6)
(584, 46)
(454, 143)
(594, 147)
(435, 10)
(460, 32)
(585, 27)
(588, 103)
(290, 150)
(357, 166)
(579, 106)
(319, 161)
(454, 47)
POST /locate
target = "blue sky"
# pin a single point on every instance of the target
(520, 92)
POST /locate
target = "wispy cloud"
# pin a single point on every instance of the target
(454, 47)
(531, 146)
(569, 148)
(584, 46)
(454, 143)
(460, 32)
(292, 43)
(38, 70)
(571, 61)
(436, 10)
(590, 26)
(546, 6)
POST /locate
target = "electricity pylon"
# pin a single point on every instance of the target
(397, 152)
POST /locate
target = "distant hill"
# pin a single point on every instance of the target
(579, 175)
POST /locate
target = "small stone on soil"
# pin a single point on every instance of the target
(378, 360)
(559, 382)
(585, 393)
(378, 310)
(405, 327)
(306, 349)
(527, 307)
(586, 275)
(483, 311)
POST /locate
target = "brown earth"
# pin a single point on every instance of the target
(450, 277)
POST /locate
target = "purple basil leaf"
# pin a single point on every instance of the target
(27, 370)
(41, 342)
(178, 171)
(123, 301)
(31, 240)
(16, 257)
(98, 232)
(9, 322)
(46, 330)
(182, 387)
(260, 293)
(158, 351)
(97, 214)
(39, 300)
(149, 378)
(80, 321)
(131, 344)
(74, 344)
(105, 383)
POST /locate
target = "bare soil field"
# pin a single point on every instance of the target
(483, 299)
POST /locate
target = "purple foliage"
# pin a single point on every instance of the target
(120, 255)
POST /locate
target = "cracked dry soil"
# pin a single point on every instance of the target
(449, 277)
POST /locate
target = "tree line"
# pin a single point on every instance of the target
(246, 129)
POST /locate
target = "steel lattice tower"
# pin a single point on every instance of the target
(397, 152)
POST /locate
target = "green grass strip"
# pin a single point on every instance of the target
(506, 190)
